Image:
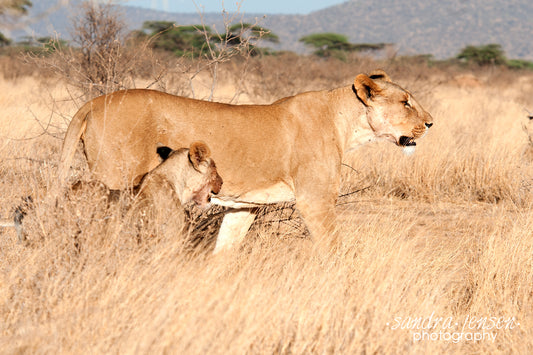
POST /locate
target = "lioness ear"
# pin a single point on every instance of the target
(198, 153)
(365, 88)
(379, 74)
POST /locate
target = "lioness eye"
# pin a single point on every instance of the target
(406, 103)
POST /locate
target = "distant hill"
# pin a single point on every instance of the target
(438, 27)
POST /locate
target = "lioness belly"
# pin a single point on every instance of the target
(280, 192)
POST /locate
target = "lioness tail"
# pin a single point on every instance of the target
(75, 130)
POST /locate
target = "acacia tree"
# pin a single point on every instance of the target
(336, 45)
(180, 40)
(240, 33)
(489, 54)
(198, 40)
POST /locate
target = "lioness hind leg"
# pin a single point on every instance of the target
(234, 227)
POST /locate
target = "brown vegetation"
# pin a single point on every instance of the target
(447, 232)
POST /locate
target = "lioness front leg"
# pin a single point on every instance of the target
(319, 217)
(235, 225)
(316, 204)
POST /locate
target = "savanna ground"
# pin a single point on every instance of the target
(446, 233)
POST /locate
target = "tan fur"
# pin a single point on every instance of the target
(186, 176)
(291, 149)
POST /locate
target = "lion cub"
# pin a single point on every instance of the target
(184, 176)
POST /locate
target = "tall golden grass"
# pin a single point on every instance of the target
(446, 233)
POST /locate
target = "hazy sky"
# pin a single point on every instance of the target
(248, 6)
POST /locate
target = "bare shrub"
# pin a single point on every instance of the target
(98, 33)
(101, 60)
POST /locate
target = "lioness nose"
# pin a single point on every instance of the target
(428, 124)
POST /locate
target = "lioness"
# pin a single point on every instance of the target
(289, 150)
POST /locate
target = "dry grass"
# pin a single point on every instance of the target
(447, 232)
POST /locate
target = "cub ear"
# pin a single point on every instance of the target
(198, 153)
(163, 152)
(379, 74)
(365, 88)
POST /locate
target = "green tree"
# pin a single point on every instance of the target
(181, 40)
(245, 35)
(197, 40)
(520, 64)
(489, 54)
(336, 45)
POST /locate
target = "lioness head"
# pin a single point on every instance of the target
(191, 172)
(392, 111)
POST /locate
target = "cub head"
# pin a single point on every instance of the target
(191, 172)
(392, 112)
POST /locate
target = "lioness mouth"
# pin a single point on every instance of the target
(408, 144)
(212, 194)
(405, 141)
